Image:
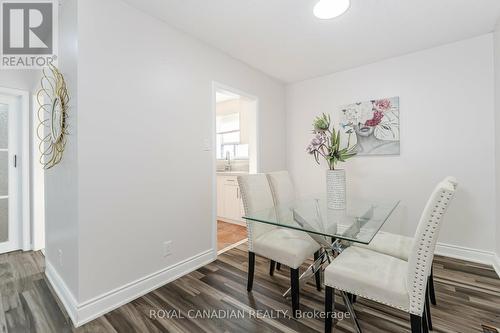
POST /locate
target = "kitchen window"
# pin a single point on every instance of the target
(229, 138)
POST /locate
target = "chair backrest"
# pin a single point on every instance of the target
(281, 187)
(424, 243)
(256, 195)
(452, 180)
(284, 193)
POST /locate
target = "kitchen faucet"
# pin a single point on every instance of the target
(227, 166)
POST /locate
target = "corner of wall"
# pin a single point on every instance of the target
(60, 182)
(496, 50)
(62, 291)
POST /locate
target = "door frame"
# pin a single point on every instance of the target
(220, 86)
(23, 161)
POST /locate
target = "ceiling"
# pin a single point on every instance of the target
(283, 39)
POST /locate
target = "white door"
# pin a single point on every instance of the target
(9, 174)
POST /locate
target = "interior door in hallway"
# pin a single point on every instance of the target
(9, 175)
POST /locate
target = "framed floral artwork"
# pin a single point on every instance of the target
(373, 126)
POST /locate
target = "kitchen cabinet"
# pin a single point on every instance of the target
(229, 203)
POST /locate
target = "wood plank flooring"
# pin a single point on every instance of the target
(468, 296)
(229, 233)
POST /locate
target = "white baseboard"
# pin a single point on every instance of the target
(62, 291)
(89, 310)
(465, 253)
(496, 264)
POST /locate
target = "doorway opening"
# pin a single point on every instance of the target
(236, 153)
(14, 171)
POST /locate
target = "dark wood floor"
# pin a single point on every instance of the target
(468, 296)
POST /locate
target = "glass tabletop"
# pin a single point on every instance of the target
(359, 222)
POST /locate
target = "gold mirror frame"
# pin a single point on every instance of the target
(53, 101)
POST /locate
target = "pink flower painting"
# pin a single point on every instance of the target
(376, 124)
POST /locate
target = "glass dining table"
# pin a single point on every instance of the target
(359, 222)
(333, 229)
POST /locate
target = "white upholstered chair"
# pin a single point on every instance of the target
(400, 247)
(284, 192)
(392, 281)
(289, 247)
(281, 187)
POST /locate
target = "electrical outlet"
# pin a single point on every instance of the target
(60, 256)
(167, 248)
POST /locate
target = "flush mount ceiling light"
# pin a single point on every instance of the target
(328, 9)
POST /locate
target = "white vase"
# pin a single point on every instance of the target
(335, 189)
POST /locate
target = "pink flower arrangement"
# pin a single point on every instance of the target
(317, 142)
(326, 143)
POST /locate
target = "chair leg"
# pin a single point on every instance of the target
(416, 324)
(353, 298)
(329, 308)
(271, 267)
(294, 279)
(425, 327)
(318, 273)
(251, 269)
(278, 266)
(431, 288)
(428, 310)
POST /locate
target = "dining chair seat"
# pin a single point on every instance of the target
(372, 275)
(399, 246)
(286, 246)
(391, 244)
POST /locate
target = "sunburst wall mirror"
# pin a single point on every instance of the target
(53, 101)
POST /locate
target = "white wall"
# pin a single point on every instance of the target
(447, 128)
(139, 174)
(61, 186)
(496, 37)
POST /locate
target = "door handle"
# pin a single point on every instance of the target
(15, 161)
